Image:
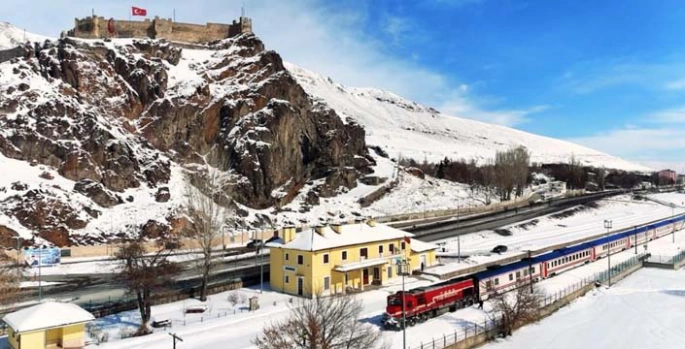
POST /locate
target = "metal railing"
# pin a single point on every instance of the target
(672, 260)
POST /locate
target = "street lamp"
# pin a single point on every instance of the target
(403, 263)
(672, 215)
(607, 225)
(530, 269)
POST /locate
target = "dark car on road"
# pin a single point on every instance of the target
(499, 249)
(255, 243)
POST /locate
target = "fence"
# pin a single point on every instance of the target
(667, 262)
(472, 334)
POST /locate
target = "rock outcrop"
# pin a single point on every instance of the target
(116, 117)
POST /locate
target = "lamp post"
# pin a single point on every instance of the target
(530, 269)
(404, 316)
(672, 215)
(607, 225)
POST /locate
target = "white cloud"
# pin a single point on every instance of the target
(676, 85)
(676, 115)
(648, 146)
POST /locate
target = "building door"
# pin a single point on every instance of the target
(423, 261)
(300, 286)
(365, 276)
(377, 274)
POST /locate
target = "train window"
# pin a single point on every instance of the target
(496, 281)
(518, 274)
(525, 272)
(488, 284)
(511, 277)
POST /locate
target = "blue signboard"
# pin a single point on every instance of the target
(47, 257)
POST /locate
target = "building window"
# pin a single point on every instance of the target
(404, 246)
(380, 249)
(391, 248)
(325, 258)
(287, 256)
(390, 272)
(326, 283)
(364, 253)
(287, 279)
(300, 259)
(344, 255)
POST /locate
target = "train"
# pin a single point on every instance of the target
(423, 303)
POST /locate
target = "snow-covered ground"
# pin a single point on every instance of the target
(241, 328)
(642, 311)
(405, 128)
(623, 211)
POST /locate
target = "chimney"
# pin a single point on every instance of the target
(319, 229)
(371, 222)
(337, 227)
(289, 234)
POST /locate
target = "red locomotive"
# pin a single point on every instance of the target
(426, 302)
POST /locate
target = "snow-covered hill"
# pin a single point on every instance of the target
(11, 36)
(408, 129)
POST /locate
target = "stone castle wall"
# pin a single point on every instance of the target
(159, 28)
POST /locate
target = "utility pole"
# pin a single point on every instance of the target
(176, 338)
(635, 229)
(40, 282)
(458, 248)
(404, 316)
(530, 269)
(607, 225)
(673, 215)
(261, 271)
(458, 236)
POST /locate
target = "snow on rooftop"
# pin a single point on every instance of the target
(46, 315)
(350, 234)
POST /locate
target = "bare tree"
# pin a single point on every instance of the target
(321, 323)
(143, 274)
(206, 202)
(514, 309)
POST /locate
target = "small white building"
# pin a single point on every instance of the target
(47, 325)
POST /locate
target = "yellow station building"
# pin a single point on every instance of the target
(47, 325)
(340, 258)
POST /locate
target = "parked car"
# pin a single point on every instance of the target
(255, 243)
(499, 249)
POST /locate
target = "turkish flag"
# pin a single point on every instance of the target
(407, 239)
(137, 11)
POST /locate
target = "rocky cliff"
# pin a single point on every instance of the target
(110, 125)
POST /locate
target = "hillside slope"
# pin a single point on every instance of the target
(405, 128)
(11, 36)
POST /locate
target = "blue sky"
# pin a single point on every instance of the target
(606, 74)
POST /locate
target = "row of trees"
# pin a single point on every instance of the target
(505, 175)
(510, 172)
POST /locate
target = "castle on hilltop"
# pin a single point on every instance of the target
(95, 27)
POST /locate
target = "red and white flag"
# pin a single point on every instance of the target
(137, 11)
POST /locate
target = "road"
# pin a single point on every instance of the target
(99, 288)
